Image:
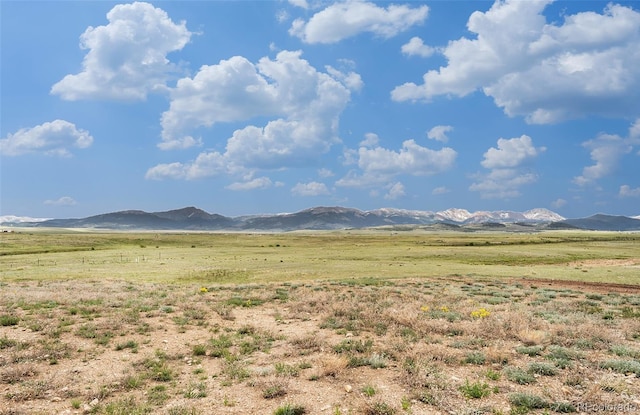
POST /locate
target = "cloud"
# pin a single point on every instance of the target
(349, 18)
(395, 191)
(627, 191)
(323, 172)
(547, 72)
(257, 183)
(416, 47)
(439, 133)
(440, 191)
(606, 151)
(310, 189)
(304, 106)
(207, 164)
(63, 201)
(506, 164)
(300, 3)
(127, 58)
(380, 165)
(370, 140)
(511, 153)
(558, 203)
(51, 138)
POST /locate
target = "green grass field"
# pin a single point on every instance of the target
(244, 257)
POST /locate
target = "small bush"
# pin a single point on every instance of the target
(8, 320)
(519, 376)
(527, 401)
(542, 368)
(530, 350)
(290, 409)
(475, 390)
(379, 408)
(475, 358)
(622, 366)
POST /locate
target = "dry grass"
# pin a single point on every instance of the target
(448, 345)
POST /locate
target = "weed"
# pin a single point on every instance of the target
(289, 409)
(368, 391)
(128, 345)
(531, 351)
(9, 320)
(199, 349)
(196, 390)
(475, 358)
(475, 390)
(157, 395)
(622, 366)
(274, 390)
(126, 406)
(492, 374)
(527, 401)
(541, 368)
(379, 408)
(353, 345)
(519, 376)
(283, 369)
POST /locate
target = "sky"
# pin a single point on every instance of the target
(249, 107)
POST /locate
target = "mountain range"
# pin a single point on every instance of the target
(326, 218)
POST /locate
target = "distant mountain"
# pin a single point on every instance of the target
(323, 218)
(601, 222)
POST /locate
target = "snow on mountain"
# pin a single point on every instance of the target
(541, 214)
(454, 214)
(11, 219)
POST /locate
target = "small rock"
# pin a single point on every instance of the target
(94, 402)
(349, 334)
(86, 408)
(348, 388)
(56, 399)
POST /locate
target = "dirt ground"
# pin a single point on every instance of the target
(392, 347)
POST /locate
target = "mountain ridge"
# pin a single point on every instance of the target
(326, 218)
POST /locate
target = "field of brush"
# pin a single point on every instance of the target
(364, 322)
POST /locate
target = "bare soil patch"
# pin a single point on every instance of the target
(413, 346)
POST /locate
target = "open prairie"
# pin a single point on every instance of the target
(363, 322)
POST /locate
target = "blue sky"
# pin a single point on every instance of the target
(244, 107)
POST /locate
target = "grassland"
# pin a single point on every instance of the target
(362, 322)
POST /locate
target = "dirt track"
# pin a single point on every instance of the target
(602, 287)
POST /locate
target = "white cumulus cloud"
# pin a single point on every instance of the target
(606, 151)
(349, 18)
(416, 47)
(511, 153)
(127, 58)
(310, 189)
(628, 191)
(304, 105)
(379, 165)
(547, 72)
(507, 165)
(439, 133)
(50, 138)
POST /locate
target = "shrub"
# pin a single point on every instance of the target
(519, 376)
(527, 401)
(475, 390)
(8, 320)
(622, 366)
(542, 368)
(290, 409)
(530, 350)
